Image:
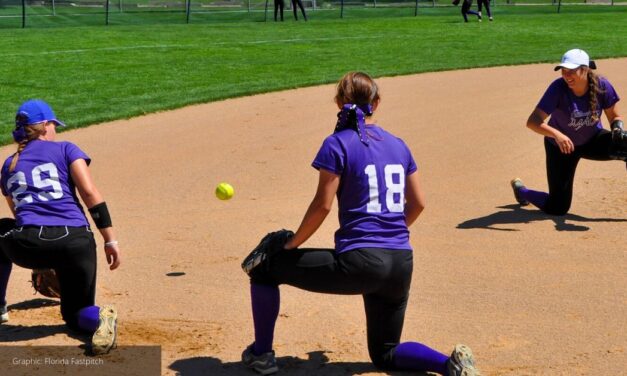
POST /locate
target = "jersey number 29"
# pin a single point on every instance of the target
(39, 181)
(392, 188)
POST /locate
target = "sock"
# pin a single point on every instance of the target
(537, 198)
(266, 301)
(89, 318)
(5, 273)
(418, 357)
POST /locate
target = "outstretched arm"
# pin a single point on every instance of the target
(92, 197)
(318, 209)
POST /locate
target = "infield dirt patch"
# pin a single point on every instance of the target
(530, 293)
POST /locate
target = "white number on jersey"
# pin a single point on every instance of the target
(50, 185)
(392, 188)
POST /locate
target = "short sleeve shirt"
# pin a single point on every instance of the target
(571, 114)
(371, 194)
(41, 186)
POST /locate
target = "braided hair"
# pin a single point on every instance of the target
(594, 90)
(32, 132)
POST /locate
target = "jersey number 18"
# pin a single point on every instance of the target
(392, 188)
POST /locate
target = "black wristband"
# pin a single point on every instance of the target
(100, 215)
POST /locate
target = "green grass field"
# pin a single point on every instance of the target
(96, 73)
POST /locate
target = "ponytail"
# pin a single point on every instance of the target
(32, 132)
(593, 90)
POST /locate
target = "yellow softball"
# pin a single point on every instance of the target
(224, 191)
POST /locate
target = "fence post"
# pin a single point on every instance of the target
(265, 13)
(416, 10)
(23, 14)
(342, 9)
(107, 12)
(54, 9)
(559, 5)
(188, 6)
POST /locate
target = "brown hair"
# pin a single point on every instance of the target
(32, 132)
(356, 88)
(594, 90)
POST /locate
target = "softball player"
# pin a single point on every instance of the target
(480, 4)
(575, 103)
(278, 8)
(466, 5)
(298, 3)
(50, 229)
(375, 178)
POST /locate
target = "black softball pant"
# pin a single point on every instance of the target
(278, 7)
(560, 169)
(70, 251)
(466, 5)
(486, 3)
(381, 276)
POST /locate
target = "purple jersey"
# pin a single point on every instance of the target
(41, 186)
(571, 114)
(371, 194)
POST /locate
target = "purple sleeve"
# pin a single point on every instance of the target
(73, 152)
(330, 156)
(411, 163)
(608, 94)
(549, 101)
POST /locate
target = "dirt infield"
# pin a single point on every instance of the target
(531, 294)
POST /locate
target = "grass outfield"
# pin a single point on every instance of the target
(97, 73)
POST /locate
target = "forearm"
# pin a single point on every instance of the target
(107, 234)
(312, 220)
(412, 212)
(544, 129)
(537, 123)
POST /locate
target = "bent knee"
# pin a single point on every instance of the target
(383, 358)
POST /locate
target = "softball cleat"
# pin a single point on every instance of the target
(264, 364)
(4, 314)
(517, 184)
(105, 337)
(462, 362)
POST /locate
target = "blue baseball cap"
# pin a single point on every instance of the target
(35, 111)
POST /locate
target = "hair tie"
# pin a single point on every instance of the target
(353, 116)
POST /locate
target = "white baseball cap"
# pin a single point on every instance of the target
(574, 59)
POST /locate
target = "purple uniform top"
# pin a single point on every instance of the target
(41, 186)
(371, 194)
(571, 114)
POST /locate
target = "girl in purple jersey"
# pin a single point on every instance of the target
(50, 230)
(575, 103)
(375, 179)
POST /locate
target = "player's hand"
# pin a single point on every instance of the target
(113, 256)
(565, 144)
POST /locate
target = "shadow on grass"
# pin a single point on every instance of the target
(515, 214)
(317, 363)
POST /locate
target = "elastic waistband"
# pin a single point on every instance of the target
(69, 229)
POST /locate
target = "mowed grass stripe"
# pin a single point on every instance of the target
(95, 74)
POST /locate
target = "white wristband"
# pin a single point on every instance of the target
(111, 243)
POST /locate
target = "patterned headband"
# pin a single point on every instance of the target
(353, 116)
